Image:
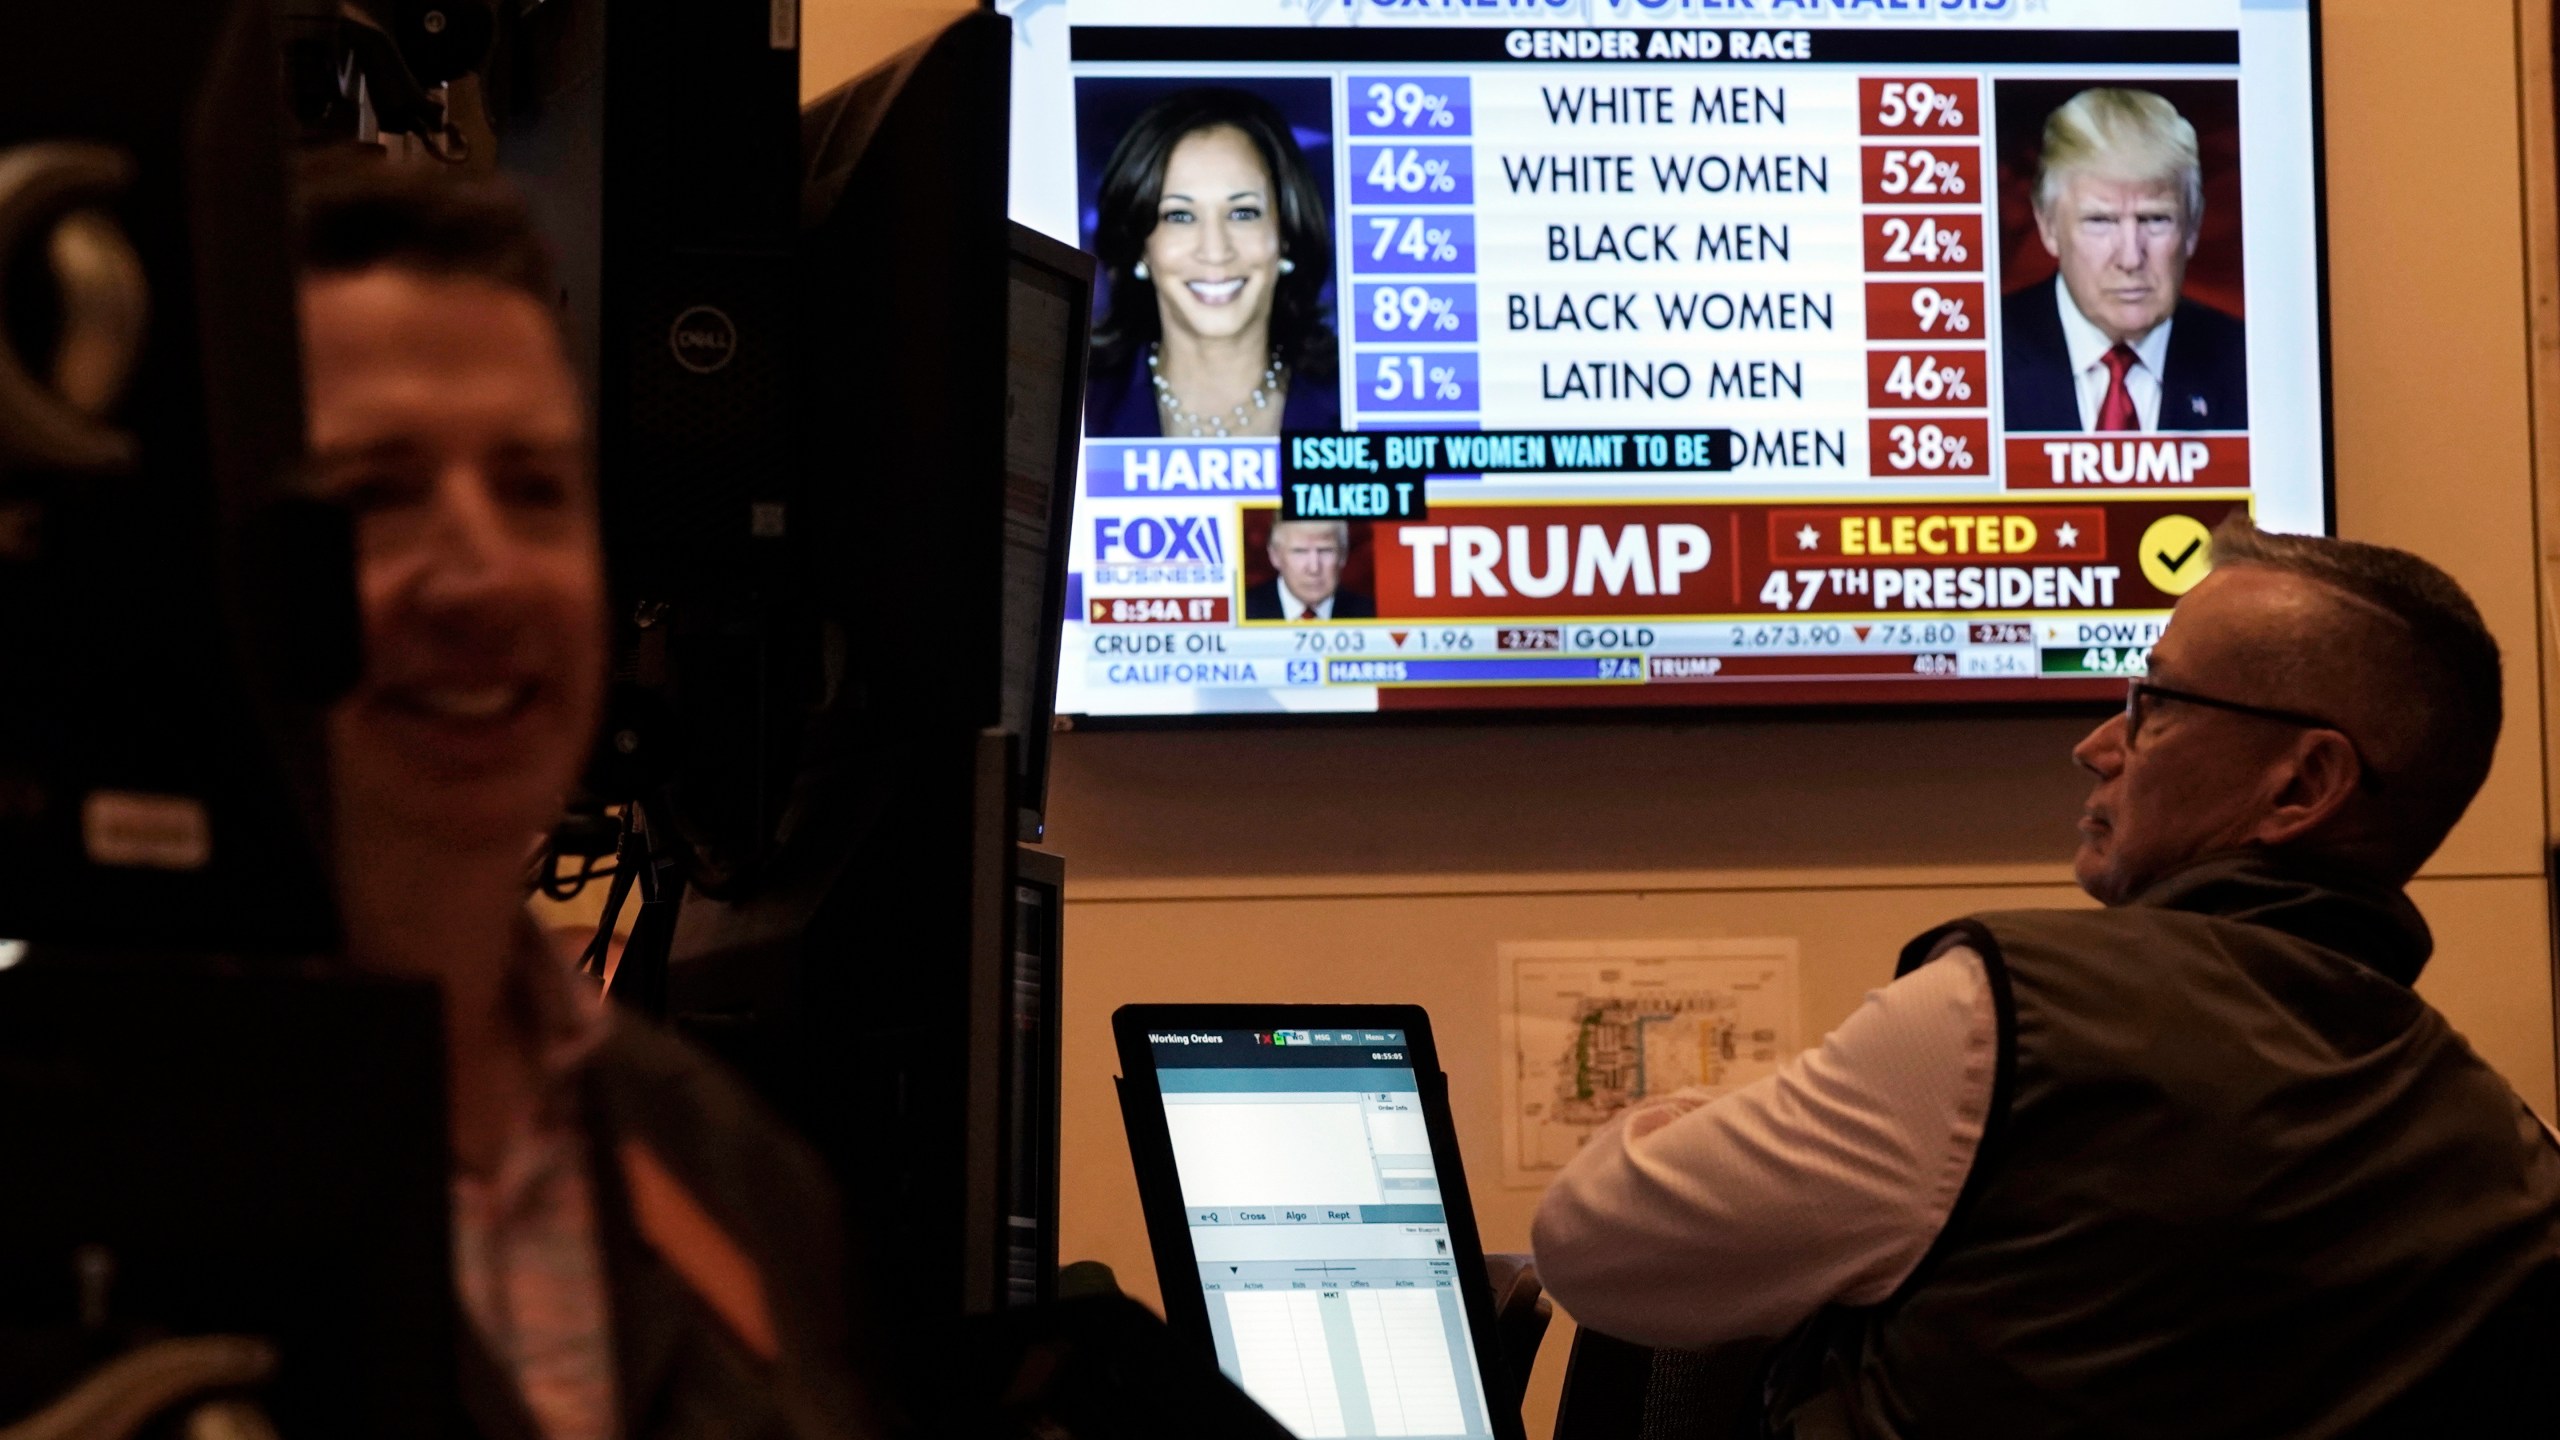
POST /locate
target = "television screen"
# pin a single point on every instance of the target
(1605, 354)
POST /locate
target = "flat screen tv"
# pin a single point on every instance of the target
(1650, 355)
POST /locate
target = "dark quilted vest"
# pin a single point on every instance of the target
(2237, 1180)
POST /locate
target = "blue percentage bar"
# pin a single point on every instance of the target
(1413, 174)
(1415, 312)
(1407, 244)
(1391, 380)
(1432, 105)
(1540, 669)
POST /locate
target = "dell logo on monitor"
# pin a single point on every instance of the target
(703, 339)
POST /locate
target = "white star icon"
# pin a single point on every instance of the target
(2067, 535)
(1809, 538)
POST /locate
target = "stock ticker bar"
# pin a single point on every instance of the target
(1816, 593)
(1697, 365)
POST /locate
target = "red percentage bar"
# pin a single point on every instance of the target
(1917, 447)
(1927, 379)
(1922, 174)
(1924, 242)
(1925, 310)
(1948, 106)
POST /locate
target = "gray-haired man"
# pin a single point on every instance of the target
(2196, 1164)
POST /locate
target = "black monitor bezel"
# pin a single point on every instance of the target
(1073, 272)
(1160, 1188)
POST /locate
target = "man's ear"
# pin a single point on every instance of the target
(2318, 778)
(2052, 242)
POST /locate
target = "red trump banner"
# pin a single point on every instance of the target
(1533, 561)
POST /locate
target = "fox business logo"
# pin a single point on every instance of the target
(1159, 550)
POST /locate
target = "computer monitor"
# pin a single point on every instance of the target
(658, 147)
(1309, 1213)
(1668, 355)
(1048, 320)
(1031, 1078)
(862, 981)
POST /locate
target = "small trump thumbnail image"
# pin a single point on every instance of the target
(1307, 571)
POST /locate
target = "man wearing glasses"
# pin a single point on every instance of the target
(2196, 1164)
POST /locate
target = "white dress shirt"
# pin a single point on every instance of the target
(528, 1257)
(1691, 1221)
(1297, 609)
(2089, 346)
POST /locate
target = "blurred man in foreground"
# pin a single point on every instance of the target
(2197, 1164)
(640, 1252)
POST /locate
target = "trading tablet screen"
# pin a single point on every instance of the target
(1320, 1229)
(1523, 354)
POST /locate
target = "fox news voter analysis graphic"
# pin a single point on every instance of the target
(1518, 354)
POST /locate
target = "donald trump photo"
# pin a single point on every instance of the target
(2110, 343)
(1309, 556)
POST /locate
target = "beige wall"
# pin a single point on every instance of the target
(1386, 865)
(840, 39)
